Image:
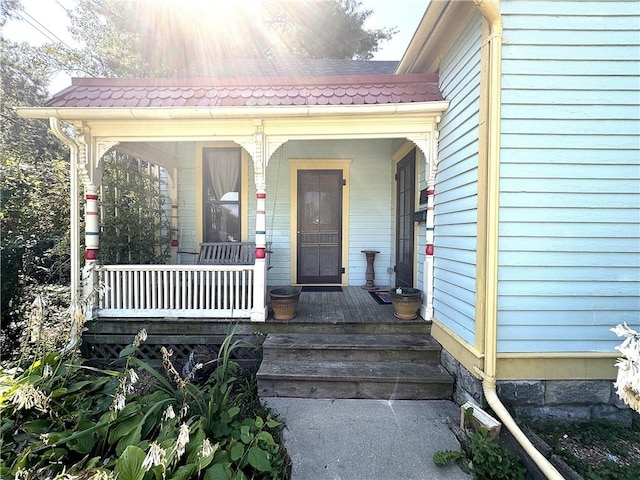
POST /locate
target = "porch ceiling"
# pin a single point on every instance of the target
(164, 154)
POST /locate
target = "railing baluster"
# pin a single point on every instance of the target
(171, 290)
(117, 285)
(183, 289)
(219, 300)
(177, 290)
(136, 289)
(147, 289)
(131, 288)
(165, 290)
(153, 303)
(236, 287)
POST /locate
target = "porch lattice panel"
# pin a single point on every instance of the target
(105, 349)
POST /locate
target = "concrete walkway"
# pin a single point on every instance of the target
(367, 439)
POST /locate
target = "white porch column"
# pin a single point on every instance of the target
(90, 153)
(91, 239)
(259, 154)
(428, 262)
(428, 144)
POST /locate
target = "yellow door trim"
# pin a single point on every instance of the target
(319, 164)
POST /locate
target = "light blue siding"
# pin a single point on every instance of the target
(457, 185)
(371, 211)
(569, 263)
(371, 193)
(187, 206)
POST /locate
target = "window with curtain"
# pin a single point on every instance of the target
(221, 184)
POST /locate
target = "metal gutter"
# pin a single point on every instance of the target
(490, 10)
(74, 213)
(205, 113)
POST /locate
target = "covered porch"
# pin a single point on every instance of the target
(336, 124)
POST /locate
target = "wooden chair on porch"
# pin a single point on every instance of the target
(230, 253)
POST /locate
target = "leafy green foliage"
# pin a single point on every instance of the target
(489, 460)
(34, 179)
(150, 38)
(58, 408)
(492, 461)
(445, 457)
(332, 29)
(135, 225)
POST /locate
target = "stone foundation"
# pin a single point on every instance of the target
(539, 400)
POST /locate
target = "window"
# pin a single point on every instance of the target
(221, 184)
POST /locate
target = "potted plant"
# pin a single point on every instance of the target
(406, 302)
(284, 301)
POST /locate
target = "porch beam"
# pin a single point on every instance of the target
(277, 130)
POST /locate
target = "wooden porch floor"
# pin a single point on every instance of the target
(352, 305)
(351, 311)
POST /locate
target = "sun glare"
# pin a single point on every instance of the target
(215, 28)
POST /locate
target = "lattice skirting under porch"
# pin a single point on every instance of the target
(104, 348)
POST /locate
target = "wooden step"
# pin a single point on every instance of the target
(331, 379)
(417, 326)
(357, 347)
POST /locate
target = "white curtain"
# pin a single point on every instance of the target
(223, 167)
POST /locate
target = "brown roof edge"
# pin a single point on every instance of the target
(256, 81)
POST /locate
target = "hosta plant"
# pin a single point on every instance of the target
(61, 419)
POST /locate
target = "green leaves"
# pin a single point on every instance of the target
(85, 442)
(129, 465)
(259, 459)
(219, 471)
(228, 439)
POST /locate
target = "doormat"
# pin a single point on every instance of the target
(383, 298)
(332, 288)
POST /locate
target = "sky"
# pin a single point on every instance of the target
(49, 15)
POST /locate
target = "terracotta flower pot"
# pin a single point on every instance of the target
(406, 302)
(284, 301)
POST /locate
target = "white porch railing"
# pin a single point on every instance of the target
(216, 291)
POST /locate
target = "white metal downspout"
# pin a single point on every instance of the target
(74, 213)
(490, 9)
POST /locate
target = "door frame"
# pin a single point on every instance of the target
(399, 154)
(318, 164)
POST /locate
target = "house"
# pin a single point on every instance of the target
(537, 219)
(511, 127)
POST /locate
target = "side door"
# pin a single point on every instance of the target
(405, 203)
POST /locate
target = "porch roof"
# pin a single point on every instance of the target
(247, 92)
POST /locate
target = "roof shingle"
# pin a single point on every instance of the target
(267, 91)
